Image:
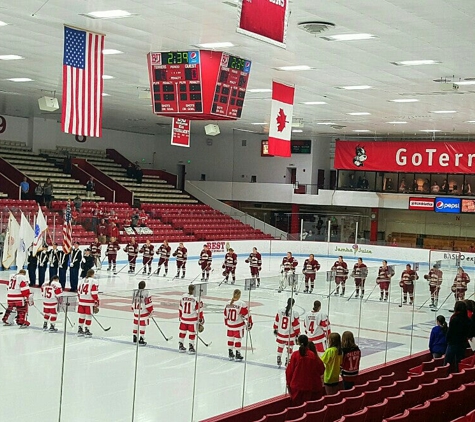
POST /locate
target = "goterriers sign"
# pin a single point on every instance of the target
(422, 204)
(421, 157)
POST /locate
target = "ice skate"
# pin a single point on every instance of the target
(357, 295)
(337, 291)
(7, 324)
(87, 333)
(142, 342)
(53, 329)
(165, 274)
(25, 325)
(231, 354)
(306, 290)
(177, 275)
(80, 332)
(191, 350)
(234, 281)
(144, 271)
(45, 326)
(181, 348)
(310, 292)
(279, 361)
(183, 276)
(238, 357)
(134, 339)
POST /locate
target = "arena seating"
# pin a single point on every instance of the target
(432, 241)
(39, 169)
(431, 394)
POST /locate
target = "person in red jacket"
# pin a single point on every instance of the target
(304, 374)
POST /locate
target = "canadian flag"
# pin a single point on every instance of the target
(280, 130)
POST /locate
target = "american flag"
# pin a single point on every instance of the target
(67, 230)
(83, 65)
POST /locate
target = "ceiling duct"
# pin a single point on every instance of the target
(316, 27)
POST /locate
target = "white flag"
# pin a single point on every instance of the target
(11, 242)
(26, 236)
(40, 229)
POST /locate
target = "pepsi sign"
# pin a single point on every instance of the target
(447, 205)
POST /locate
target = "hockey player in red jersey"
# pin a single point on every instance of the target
(204, 262)
(359, 273)
(19, 297)
(317, 327)
(163, 251)
(88, 300)
(384, 279)
(143, 308)
(286, 330)
(96, 253)
(111, 252)
(435, 280)
(236, 318)
(191, 315)
(229, 266)
(181, 255)
(255, 264)
(51, 291)
(289, 263)
(460, 284)
(148, 252)
(310, 268)
(408, 277)
(341, 275)
(132, 250)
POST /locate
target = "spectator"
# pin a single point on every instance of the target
(25, 188)
(444, 187)
(135, 220)
(435, 187)
(389, 184)
(48, 192)
(415, 186)
(138, 173)
(351, 360)
(102, 231)
(466, 188)
(457, 336)
(438, 340)
(364, 183)
(426, 186)
(97, 214)
(471, 248)
(90, 186)
(352, 183)
(334, 225)
(332, 359)
(131, 171)
(319, 224)
(113, 231)
(359, 183)
(303, 374)
(39, 194)
(77, 203)
(394, 242)
(402, 185)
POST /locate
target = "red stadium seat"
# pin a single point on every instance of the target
(390, 390)
(301, 419)
(334, 398)
(314, 405)
(295, 412)
(375, 412)
(277, 417)
(371, 397)
(394, 406)
(411, 397)
(353, 404)
(317, 415)
(334, 412)
(355, 417)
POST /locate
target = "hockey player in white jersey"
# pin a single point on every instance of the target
(317, 327)
(286, 330)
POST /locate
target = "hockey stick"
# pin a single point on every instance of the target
(202, 341)
(38, 310)
(333, 291)
(126, 265)
(64, 310)
(140, 269)
(443, 303)
(354, 291)
(423, 304)
(374, 288)
(161, 332)
(250, 341)
(100, 325)
(400, 304)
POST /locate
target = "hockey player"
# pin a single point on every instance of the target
(87, 262)
(460, 284)
(74, 265)
(53, 259)
(341, 275)
(190, 314)
(255, 265)
(19, 297)
(88, 299)
(164, 252)
(132, 250)
(205, 262)
(143, 308)
(408, 277)
(286, 330)
(236, 318)
(435, 280)
(384, 279)
(147, 251)
(229, 266)
(51, 291)
(317, 327)
(96, 253)
(42, 264)
(359, 273)
(289, 263)
(111, 252)
(181, 255)
(310, 268)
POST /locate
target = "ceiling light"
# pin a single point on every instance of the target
(105, 95)
(397, 123)
(404, 100)
(415, 62)
(297, 130)
(259, 90)
(3, 23)
(20, 79)
(111, 51)
(429, 130)
(465, 83)
(11, 57)
(108, 14)
(313, 102)
(326, 123)
(355, 87)
(349, 37)
(259, 123)
(294, 68)
(107, 77)
(444, 111)
(224, 44)
(359, 113)
(470, 121)
(361, 130)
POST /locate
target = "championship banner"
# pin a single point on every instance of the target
(280, 129)
(181, 132)
(265, 20)
(420, 157)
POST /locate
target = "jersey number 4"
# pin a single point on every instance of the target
(84, 289)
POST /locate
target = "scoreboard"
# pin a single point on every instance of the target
(198, 84)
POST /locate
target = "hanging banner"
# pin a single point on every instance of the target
(181, 132)
(280, 128)
(418, 157)
(265, 20)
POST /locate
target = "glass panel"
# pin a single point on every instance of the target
(390, 182)
(455, 184)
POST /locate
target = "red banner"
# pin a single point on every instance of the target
(265, 20)
(280, 129)
(181, 132)
(421, 204)
(417, 157)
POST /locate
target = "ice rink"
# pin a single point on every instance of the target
(100, 373)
